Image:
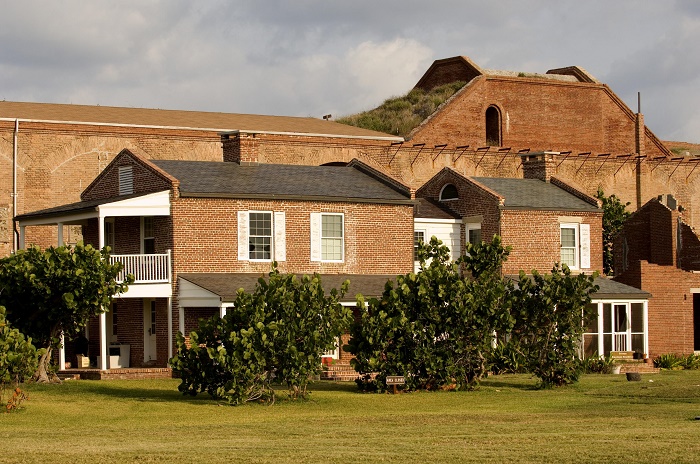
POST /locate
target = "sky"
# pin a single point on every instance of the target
(312, 57)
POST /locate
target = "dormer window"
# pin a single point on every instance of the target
(126, 180)
(449, 192)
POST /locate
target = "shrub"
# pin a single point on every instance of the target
(279, 332)
(597, 365)
(18, 361)
(506, 359)
(669, 361)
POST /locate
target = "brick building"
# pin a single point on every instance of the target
(544, 221)
(657, 251)
(193, 232)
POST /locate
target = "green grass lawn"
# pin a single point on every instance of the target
(602, 418)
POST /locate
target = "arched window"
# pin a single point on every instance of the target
(449, 192)
(493, 126)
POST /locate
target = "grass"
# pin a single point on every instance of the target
(601, 418)
(400, 115)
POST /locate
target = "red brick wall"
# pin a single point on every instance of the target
(536, 240)
(670, 307)
(378, 238)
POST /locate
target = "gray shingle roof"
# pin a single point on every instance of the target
(428, 209)
(534, 194)
(226, 285)
(211, 178)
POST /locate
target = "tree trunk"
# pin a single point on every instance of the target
(43, 374)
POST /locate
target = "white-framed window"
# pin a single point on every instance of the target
(148, 240)
(332, 237)
(473, 232)
(569, 245)
(328, 237)
(261, 236)
(575, 248)
(449, 192)
(418, 238)
(126, 180)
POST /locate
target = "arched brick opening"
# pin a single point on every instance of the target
(493, 126)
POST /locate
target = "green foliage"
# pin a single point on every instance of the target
(400, 115)
(551, 313)
(614, 217)
(55, 291)
(434, 327)
(669, 361)
(18, 361)
(597, 365)
(279, 332)
(691, 361)
(506, 359)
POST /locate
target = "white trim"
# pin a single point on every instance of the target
(342, 237)
(438, 221)
(315, 237)
(576, 246)
(443, 189)
(279, 236)
(243, 248)
(585, 245)
(469, 227)
(272, 236)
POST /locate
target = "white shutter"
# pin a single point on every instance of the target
(243, 245)
(280, 246)
(315, 236)
(585, 237)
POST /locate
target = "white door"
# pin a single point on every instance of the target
(621, 327)
(149, 336)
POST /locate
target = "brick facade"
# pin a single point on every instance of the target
(658, 252)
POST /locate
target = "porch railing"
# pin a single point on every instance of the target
(146, 269)
(621, 342)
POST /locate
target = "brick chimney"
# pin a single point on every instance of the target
(539, 165)
(241, 148)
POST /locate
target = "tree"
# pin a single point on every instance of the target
(434, 327)
(551, 313)
(56, 291)
(18, 360)
(614, 217)
(277, 333)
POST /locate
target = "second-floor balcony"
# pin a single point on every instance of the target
(146, 268)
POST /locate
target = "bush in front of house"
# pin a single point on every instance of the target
(18, 361)
(277, 333)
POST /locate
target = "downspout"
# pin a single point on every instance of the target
(15, 234)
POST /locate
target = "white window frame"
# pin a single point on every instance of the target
(145, 237)
(576, 247)
(469, 227)
(442, 190)
(342, 238)
(415, 246)
(272, 236)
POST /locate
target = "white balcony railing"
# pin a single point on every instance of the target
(146, 269)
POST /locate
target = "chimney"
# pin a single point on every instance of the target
(241, 148)
(539, 165)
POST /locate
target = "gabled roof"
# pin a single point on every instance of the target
(194, 120)
(280, 181)
(533, 194)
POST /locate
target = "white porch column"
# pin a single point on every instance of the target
(646, 326)
(59, 239)
(103, 342)
(181, 319)
(601, 341)
(170, 328)
(22, 230)
(62, 353)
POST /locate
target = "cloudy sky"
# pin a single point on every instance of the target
(314, 57)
